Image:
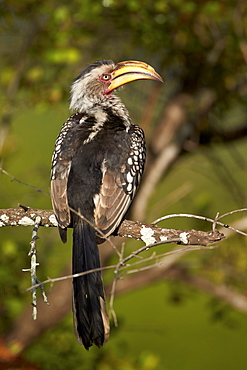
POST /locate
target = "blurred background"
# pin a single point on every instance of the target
(191, 312)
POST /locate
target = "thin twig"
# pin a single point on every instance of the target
(203, 218)
(146, 248)
(215, 221)
(232, 212)
(121, 265)
(157, 264)
(23, 183)
(32, 270)
(72, 276)
(113, 289)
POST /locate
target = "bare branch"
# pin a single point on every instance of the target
(122, 266)
(32, 269)
(23, 183)
(25, 216)
(151, 235)
(140, 230)
(178, 272)
(203, 218)
(148, 233)
(146, 267)
(114, 284)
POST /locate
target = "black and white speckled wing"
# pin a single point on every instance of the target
(119, 183)
(64, 150)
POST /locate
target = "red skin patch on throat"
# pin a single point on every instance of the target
(107, 92)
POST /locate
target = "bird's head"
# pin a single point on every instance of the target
(95, 84)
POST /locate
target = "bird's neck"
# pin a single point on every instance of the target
(101, 109)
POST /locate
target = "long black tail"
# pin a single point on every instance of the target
(90, 318)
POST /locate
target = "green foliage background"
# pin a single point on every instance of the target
(196, 46)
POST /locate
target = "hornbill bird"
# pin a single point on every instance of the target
(97, 165)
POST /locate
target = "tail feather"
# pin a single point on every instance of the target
(90, 318)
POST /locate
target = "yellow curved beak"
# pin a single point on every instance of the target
(132, 70)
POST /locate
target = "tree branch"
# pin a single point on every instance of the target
(149, 234)
(24, 331)
(179, 272)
